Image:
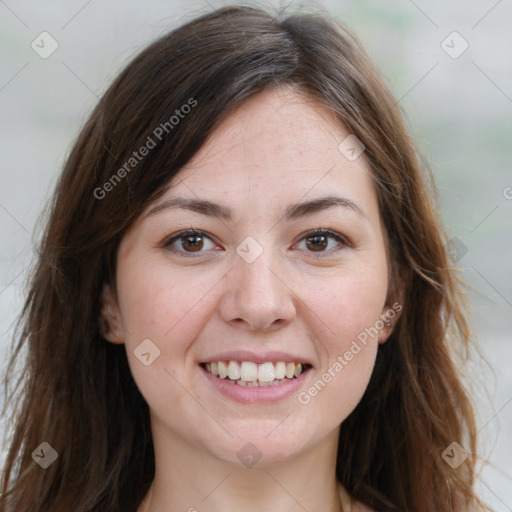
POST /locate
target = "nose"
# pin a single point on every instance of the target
(258, 296)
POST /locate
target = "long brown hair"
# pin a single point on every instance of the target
(76, 391)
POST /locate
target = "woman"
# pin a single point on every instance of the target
(242, 299)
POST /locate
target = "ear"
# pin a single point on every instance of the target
(111, 327)
(393, 308)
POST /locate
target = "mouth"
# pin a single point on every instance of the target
(250, 374)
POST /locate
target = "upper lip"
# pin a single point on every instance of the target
(244, 355)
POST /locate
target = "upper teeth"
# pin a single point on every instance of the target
(251, 372)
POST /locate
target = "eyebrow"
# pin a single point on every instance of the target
(293, 212)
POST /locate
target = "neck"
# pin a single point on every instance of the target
(188, 478)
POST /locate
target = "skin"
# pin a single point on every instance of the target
(278, 149)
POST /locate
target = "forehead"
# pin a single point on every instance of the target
(282, 139)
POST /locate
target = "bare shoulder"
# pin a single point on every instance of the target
(357, 506)
(350, 504)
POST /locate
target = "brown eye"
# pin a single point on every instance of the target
(192, 242)
(188, 243)
(320, 241)
(317, 243)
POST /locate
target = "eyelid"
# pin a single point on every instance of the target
(166, 244)
(341, 239)
(326, 231)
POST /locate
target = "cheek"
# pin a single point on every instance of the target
(349, 302)
(351, 345)
(166, 307)
(171, 310)
(337, 389)
(348, 307)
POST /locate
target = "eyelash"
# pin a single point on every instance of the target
(310, 234)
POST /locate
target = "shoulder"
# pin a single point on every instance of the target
(357, 506)
(349, 504)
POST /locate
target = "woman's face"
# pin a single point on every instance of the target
(257, 285)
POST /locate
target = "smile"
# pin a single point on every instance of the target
(248, 373)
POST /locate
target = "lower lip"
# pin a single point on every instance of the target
(252, 394)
